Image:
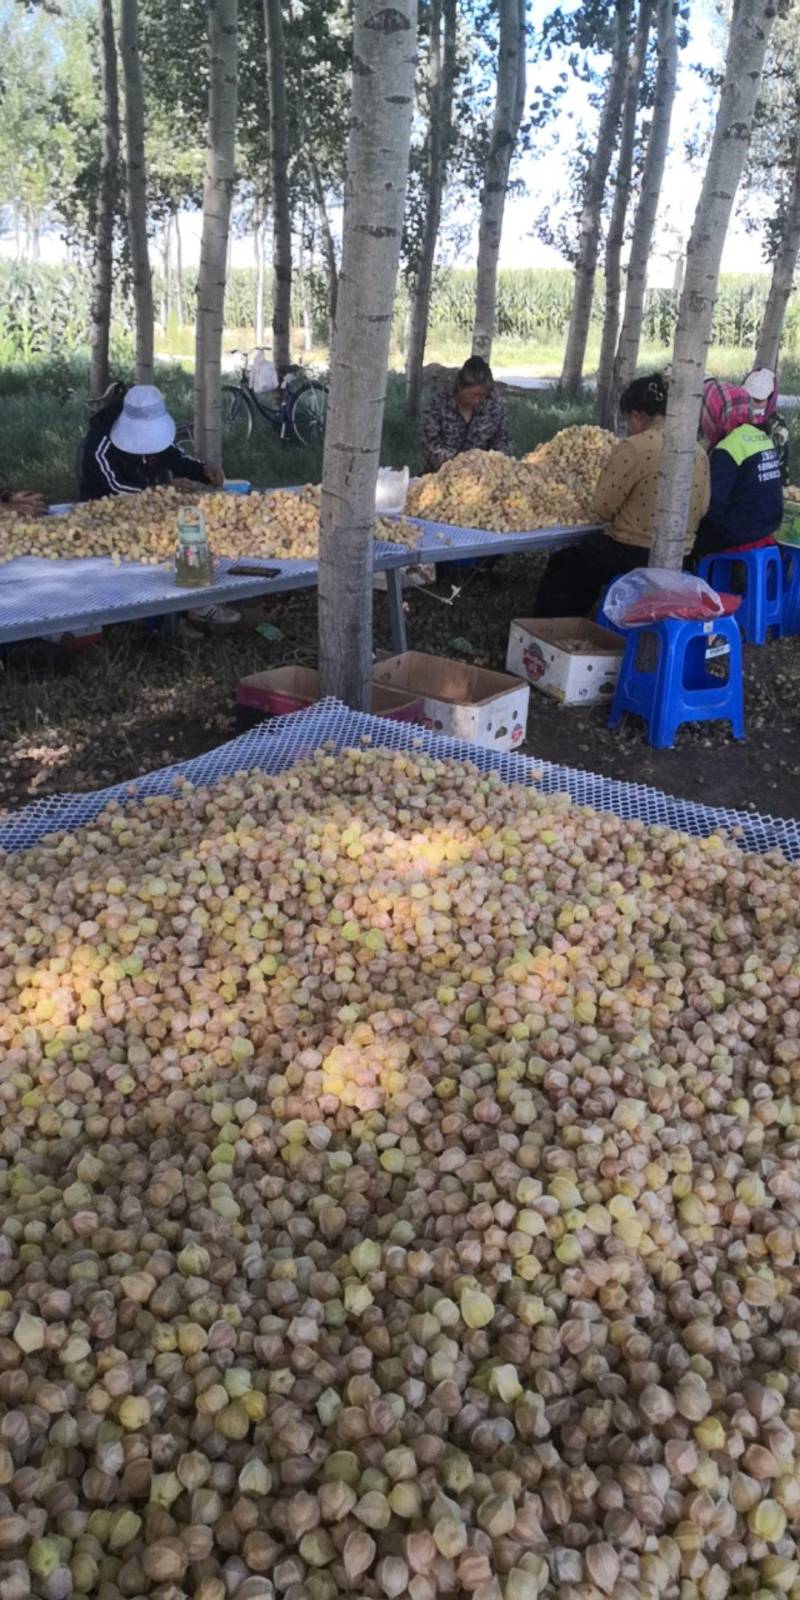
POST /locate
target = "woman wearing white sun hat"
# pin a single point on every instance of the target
(130, 446)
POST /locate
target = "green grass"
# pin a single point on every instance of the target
(529, 358)
(44, 413)
(543, 360)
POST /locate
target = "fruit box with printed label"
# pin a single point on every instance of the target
(464, 701)
(568, 658)
(284, 689)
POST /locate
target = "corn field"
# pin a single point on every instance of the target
(44, 310)
(534, 304)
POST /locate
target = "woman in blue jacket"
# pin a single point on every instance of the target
(746, 506)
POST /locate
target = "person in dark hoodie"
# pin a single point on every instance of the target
(130, 446)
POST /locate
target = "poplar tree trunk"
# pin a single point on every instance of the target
(258, 238)
(328, 245)
(751, 23)
(103, 265)
(217, 196)
(166, 298)
(136, 174)
(384, 51)
(782, 281)
(441, 78)
(305, 301)
(279, 180)
(179, 299)
(605, 405)
(509, 106)
(644, 221)
(592, 208)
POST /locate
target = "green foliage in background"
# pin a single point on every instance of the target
(534, 304)
(44, 412)
(44, 310)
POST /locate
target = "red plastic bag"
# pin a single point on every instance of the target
(650, 594)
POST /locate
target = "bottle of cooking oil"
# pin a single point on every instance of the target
(194, 567)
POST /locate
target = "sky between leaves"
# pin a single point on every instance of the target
(543, 173)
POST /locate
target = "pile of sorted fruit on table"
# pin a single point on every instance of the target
(400, 1184)
(551, 487)
(280, 525)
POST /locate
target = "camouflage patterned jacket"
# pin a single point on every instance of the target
(445, 434)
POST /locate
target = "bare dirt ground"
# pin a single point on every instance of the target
(140, 700)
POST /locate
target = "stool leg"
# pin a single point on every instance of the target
(736, 682)
(664, 722)
(791, 592)
(663, 727)
(777, 602)
(756, 621)
(626, 667)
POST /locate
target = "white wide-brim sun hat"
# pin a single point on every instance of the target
(144, 426)
(760, 383)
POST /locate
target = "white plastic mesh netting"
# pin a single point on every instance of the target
(275, 746)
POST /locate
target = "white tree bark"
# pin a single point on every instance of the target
(508, 111)
(136, 173)
(258, 242)
(644, 221)
(751, 22)
(103, 265)
(442, 60)
(304, 267)
(592, 208)
(384, 51)
(328, 244)
(179, 299)
(782, 281)
(166, 258)
(279, 181)
(217, 196)
(606, 408)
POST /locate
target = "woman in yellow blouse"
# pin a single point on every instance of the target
(625, 500)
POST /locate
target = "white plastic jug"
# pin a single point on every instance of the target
(390, 491)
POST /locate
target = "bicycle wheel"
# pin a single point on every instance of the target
(307, 416)
(237, 416)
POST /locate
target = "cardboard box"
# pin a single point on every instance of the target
(582, 674)
(463, 701)
(284, 689)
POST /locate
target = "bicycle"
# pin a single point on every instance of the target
(298, 418)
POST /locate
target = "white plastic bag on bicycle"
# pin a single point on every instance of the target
(263, 374)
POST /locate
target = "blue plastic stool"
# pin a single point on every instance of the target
(762, 602)
(679, 688)
(790, 622)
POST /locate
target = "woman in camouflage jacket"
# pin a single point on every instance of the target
(470, 416)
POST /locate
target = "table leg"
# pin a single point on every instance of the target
(397, 618)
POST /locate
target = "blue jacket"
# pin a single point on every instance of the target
(746, 492)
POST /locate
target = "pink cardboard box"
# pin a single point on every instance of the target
(285, 689)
